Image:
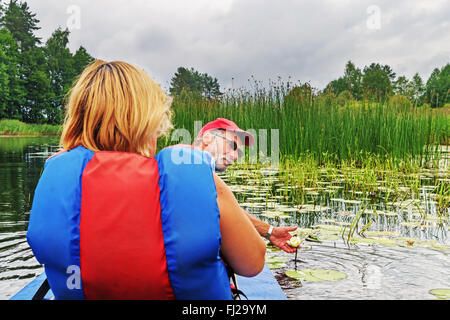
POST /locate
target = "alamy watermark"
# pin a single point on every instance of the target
(373, 22)
(74, 19)
(74, 278)
(372, 277)
(256, 153)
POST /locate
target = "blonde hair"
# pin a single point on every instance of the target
(115, 106)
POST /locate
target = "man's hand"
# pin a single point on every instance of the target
(280, 236)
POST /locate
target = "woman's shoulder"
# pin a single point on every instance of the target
(185, 155)
(63, 157)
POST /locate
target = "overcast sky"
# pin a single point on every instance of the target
(304, 40)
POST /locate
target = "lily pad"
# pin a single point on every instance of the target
(275, 259)
(277, 265)
(374, 240)
(382, 233)
(328, 237)
(252, 205)
(346, 213)
(415, 224)
(386, 213)
(287, 209)
(316, 275)
(441, 293)
(329, 227)
(328, 220)
(346, 201)
(443, 248)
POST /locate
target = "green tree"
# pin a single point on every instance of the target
(192, 81)
(401, 86)
(418, 89)
(39, 94)
(337, 86)
(351, 82)
(81, 59)
(21, 22)
(376, 81)
(438, 87)
(353, 77)
(61, 72)
(12, 91)
(4, 77)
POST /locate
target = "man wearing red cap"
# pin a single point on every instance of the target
(223, 139)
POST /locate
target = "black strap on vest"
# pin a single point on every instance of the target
(235, 292)
(42, 291)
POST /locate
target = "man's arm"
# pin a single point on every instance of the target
(280, 235)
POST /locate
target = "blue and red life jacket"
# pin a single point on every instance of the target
(134, 227)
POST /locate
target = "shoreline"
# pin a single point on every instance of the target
(27, 135)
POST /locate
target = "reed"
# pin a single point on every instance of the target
(311, 125)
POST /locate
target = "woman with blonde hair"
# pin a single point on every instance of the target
(112, 220)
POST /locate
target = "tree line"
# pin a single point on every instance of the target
(35, 76)
(379, 82)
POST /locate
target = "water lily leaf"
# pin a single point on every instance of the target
(346, 201)
(363, 240)
(386, 213)
(443, 248)
(328, 220)
(277, 265)
(329, 227)
(252, 205)
(382, 233)
(328, 237)
(441, 293)
(275, 259)
(269, 214)
(430, 218)
(287, 209)
(346, 213)
(316, 275)
(312, 208)
(375, 240)
(415, 224)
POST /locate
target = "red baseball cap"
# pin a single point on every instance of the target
(222, 123)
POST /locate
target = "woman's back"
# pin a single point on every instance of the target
(112, 220)
(128, 226)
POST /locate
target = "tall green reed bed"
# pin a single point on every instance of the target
(317, 125)
(378, 149)
(16, 127)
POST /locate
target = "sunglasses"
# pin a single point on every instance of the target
(233, 145)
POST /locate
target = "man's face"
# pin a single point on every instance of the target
(225, 148)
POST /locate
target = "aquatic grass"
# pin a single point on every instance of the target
(312, 126)
(443, 199)
(355, 221)
(16, 127)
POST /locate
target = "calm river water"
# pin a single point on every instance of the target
(401, 259)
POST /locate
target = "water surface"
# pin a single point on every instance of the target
(21, 163)
(403, 254)
(412, 259)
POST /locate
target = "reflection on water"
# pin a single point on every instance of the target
(409, 257)
(21, 163)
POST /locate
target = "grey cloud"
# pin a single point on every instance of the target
(305, 40)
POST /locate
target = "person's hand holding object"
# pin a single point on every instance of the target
(280, 237)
